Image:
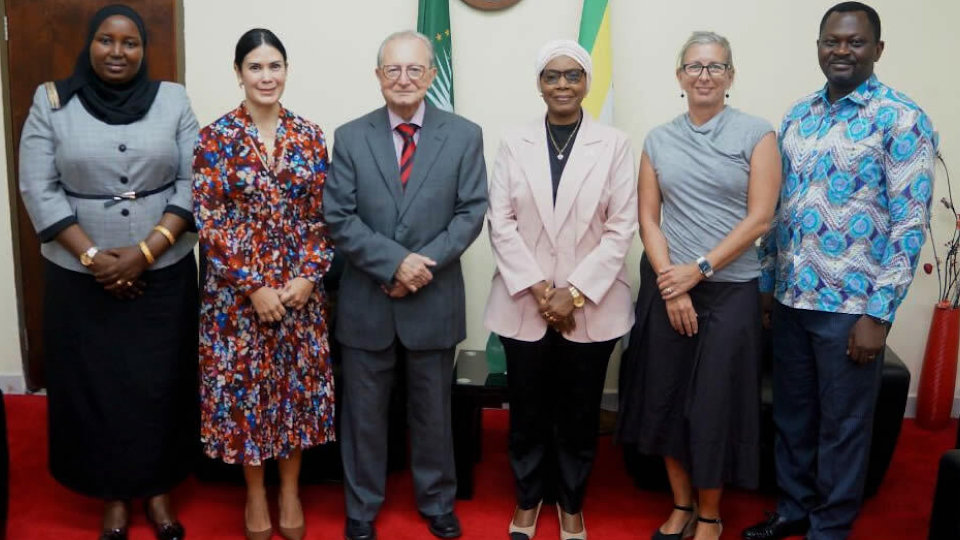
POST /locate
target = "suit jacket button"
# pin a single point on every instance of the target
(122, 148)
(124, 212)
(124, 179)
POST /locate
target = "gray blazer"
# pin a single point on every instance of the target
(376, 224)
(69, 150)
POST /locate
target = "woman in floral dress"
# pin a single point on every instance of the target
(266, 382)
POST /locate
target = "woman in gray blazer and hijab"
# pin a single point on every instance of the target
(105, 176)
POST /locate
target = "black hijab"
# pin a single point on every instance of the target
(111, 103)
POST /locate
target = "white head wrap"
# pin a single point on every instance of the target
(564, 47)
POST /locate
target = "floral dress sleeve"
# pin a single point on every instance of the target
(316, 245)
(220, 229)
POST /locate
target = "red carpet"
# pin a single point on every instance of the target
(42, 509)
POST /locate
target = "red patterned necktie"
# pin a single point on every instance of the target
(409, 147)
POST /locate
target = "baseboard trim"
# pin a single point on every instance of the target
(13, 384)
(911, 409)
(610, 400)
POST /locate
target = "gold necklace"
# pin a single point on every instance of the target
(569, 138)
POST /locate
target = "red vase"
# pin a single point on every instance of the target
(939, 372)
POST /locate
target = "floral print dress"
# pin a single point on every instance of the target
(266, 388)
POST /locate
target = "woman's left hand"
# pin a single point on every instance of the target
(296, 292)
(123, 269)
(675, 280)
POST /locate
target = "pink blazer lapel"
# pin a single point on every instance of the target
(536, 168)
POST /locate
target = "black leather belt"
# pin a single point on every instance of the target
(125, 196)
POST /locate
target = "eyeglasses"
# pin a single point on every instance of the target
(552, 76)
(415, 72)
(694, 70)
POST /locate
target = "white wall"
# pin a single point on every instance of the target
(332, 47)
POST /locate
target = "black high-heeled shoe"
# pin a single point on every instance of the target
(688, 529)
(114, 534)
(713, 521)
(171, 530)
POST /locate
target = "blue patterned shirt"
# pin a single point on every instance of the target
(855, 202)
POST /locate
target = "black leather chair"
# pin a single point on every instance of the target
(648, 471)
(945, 518)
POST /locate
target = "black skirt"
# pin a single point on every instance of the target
(696, 399)
(121, 382)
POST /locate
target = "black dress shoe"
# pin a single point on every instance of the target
(359, 530)
(444, 526)
(775, 527)
(171, 530)
(114, 534)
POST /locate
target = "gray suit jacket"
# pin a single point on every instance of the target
(376, 224)
(69, 150)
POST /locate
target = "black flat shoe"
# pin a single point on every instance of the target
(444, 526)
(171, 530)
(689, 529)
(359, 530)
(114, 534)
(776, 527)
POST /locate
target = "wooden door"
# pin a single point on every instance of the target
(44, 38)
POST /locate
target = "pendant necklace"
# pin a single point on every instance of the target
(560, 150)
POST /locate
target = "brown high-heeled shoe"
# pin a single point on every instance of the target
(294, 533)
(255, 535)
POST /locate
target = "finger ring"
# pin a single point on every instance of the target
(129, 284)
(119, 282)
(668, 290)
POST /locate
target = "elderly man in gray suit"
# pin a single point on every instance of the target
(405, 197)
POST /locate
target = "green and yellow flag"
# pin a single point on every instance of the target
(433, 21)
(595, 38)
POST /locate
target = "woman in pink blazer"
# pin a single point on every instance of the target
(562, 216)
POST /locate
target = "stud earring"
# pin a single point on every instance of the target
(682, 94)
(728, 94)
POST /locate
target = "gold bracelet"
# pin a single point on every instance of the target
(145, 249)
(166, 233)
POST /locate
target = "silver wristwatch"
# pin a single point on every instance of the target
(705, 268)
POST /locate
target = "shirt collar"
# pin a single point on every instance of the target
(860, 96)
(417, 119)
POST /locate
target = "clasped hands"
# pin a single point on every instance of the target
(556, 306)
(272, 304)
(675, 282)
(412, 275)
(118, 270)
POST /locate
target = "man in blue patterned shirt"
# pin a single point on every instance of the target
(858, 161)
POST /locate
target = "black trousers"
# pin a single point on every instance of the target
(555, 387)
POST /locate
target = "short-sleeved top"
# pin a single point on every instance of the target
(703, 173)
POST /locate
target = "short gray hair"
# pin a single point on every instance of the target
(405, 34)
(705, 38)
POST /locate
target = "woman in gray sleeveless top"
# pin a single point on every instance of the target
(708, 187)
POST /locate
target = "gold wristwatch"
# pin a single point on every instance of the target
(86, 258)
(578, 299)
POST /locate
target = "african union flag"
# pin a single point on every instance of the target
(433, 20)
